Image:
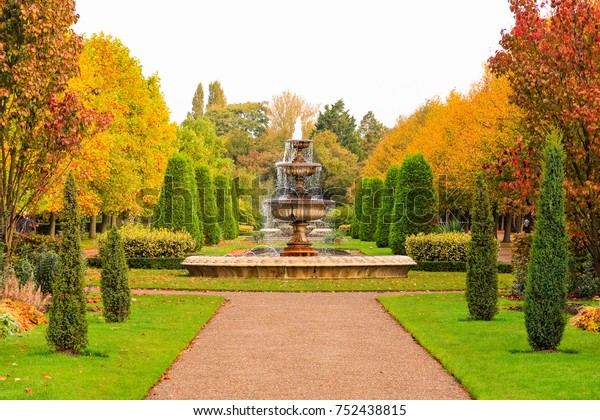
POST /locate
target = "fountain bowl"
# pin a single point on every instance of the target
(299, 169)
(299, 208)
(321, 267)
(300, 143)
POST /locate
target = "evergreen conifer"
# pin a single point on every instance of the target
(114, 284)
(482, 257)
(67, 327)
(384, 215)
(208, 205)
(546, 287)
(414, 202)
(228, 224)
(371, 202)
(177, 207)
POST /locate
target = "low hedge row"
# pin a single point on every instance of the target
(454, 266)
(142, 242)
(438, 246)
(146, 263)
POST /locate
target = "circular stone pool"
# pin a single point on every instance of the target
(320, 267)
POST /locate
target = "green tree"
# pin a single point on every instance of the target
(178, 201)
(114, 284)
(338, 120)
(371, 203)
(546, 287)
(340, 166)
(67, 329)
(414, 202)
(227, 222)
(384, 216)
(198, 102)
(208, 205)
(251, 117)
(198, 139)
(216, 96)
(371, 133)
(482, 257)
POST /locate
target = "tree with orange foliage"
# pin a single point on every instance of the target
(121, 169)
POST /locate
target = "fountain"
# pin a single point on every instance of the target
(297, 205)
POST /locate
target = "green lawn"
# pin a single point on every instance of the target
(180, 280)
(493, 359)
(123, 361)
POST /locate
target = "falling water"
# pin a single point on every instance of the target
(285, 183)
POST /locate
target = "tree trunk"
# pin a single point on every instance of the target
(93, 227)
(105, 219)
(519, 224)
(113, 221)
(507, 227)
(496, 223)
(52, 230)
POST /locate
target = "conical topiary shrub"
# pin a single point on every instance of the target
(371, 202)
(384, 215)
(357, 215)
(208, 205)
(414, 202)
(114, 285)
(546, 287)
(482, 257)
(229, 226)
(177, 207)
(67, 326)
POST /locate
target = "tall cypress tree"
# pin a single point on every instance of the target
(114, 284)
(198, 102)
(177, 207)
(371, 202)
(216, 96)
(67, 328)
(208, 205)
(546, 287)
(482, 257)
(229, 226)
(414, 202)
(384, 216)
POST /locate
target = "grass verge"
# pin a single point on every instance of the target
(180, 280)
(122, 361)
(493, 359)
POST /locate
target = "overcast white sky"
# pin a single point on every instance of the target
(385, 56)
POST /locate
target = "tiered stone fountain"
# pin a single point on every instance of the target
(299, 259)
(299, 207)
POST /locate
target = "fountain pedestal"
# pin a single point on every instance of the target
(299, 246)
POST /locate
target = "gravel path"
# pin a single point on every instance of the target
(277, 346)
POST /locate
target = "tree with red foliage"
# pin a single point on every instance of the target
(517, 173)
(41, 125)
(552, 60)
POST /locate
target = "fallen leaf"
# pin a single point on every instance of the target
(165, 378)
(2, 378)
(29, 390)
(46, 376)
(17, 379)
